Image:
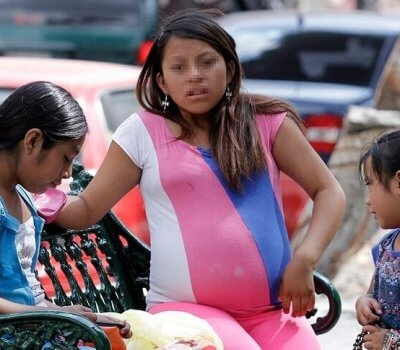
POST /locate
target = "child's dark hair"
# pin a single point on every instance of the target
(384, 154)
(41, 105)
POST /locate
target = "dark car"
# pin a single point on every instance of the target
(168, 7)
(119, 31)
(320, 62)
(102, 30)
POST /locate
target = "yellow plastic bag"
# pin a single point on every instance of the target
(168, 330)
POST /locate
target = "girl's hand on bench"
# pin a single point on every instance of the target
(100, 319)
(108, 321)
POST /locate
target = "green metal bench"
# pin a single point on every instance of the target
(105, 268)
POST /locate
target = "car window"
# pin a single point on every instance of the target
(170, 6)
(101, 30)
(71, 6)
(308, 56)
(4, 93)
(118, 105)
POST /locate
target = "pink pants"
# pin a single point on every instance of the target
(272, 330)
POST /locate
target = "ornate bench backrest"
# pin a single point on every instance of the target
(104, 267)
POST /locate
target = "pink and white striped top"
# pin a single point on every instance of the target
(209, 245)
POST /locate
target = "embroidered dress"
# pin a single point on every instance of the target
(387, 280)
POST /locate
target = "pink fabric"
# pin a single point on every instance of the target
(269, 125)
(216, 253)
(50, 203)
(272, 330)
(226, 255)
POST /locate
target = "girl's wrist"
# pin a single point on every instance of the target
(391, 340)
(361, 297)
(369, 296)
(306, 260)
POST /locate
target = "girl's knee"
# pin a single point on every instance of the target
(232, 334)
(288, 334)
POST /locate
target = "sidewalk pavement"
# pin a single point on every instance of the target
(352, 280)
(342, 336)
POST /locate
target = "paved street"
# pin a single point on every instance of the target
(342, 336)
(352, 281)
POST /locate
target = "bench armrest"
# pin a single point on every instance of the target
(33, 329)
(325, 287)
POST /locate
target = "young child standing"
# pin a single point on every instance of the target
(208, 158)
(42, 130)
(378, 311)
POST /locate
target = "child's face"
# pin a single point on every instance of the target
(41, 169)
(194, 75)
(383, 203)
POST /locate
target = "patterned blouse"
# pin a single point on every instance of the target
(387, 280)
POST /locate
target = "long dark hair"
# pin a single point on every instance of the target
(234, 136)
(41, 105)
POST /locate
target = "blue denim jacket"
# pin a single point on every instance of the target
(13, 283)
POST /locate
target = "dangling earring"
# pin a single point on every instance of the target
(165, 103)
(228, 94)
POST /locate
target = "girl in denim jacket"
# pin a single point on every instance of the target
(42, 130)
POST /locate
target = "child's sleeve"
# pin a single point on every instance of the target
(375, 250)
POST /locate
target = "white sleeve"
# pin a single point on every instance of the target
(133, 138)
